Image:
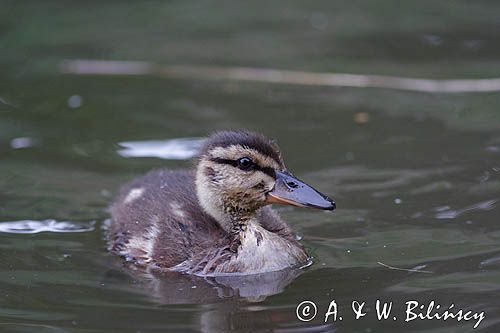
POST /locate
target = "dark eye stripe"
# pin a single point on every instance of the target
(267, 170)
(224, 161)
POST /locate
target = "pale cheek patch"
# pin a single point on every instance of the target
(133, 195)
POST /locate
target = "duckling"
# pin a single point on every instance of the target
(215, 218)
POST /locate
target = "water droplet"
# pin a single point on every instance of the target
(75, 101)
(318, 21)
(105, 193)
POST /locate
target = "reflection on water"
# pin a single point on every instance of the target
(103, 67)
(174, 149)
(23, 142)
(177, 288)
(33, 227)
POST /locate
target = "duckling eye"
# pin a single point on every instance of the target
(245, 163)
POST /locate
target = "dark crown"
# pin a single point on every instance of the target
(252, 140)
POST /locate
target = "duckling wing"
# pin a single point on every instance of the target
(157, 219)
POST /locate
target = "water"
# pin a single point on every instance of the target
(416, 176)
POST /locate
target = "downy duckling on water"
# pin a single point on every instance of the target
(216, 218)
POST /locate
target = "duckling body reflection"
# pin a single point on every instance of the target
(216, 218)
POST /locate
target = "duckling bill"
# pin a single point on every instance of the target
(215, 218)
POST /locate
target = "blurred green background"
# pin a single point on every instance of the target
(415, 175)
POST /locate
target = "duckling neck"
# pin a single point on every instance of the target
(239, 223)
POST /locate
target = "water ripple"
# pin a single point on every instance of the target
(49, 225)
(454, 213)
(493, 261)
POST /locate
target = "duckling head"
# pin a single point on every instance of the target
(239, 172)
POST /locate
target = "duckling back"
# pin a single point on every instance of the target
(157, 220)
